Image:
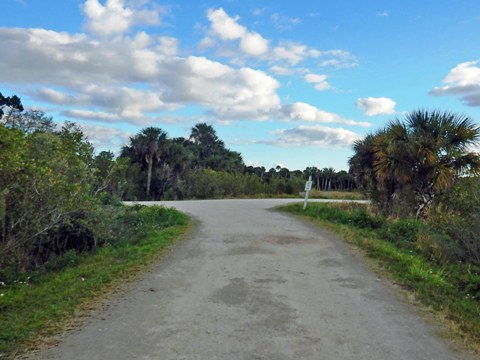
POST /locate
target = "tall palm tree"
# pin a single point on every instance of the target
(206, 142)
(429, 151)
(149, 145)
(203, 134)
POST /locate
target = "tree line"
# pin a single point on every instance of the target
(198, 167)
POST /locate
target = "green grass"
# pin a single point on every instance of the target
(314, 194)
(452, 291)
(43, 304)
(338, 195)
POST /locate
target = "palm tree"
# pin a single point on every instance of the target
(204, 134)
(149, 145)
(429, 151)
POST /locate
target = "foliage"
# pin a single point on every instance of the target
(455, 224)
(347, 213)
(44, 187)
(423, 155)
(29, 121)
(28, 306)
(12, 102)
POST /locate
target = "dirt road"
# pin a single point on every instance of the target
(251, 283)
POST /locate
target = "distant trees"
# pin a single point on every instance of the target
(149, 145)
(200, 166)
(12, 102)
(168, 163)
(415, 159)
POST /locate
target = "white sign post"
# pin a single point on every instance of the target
(308, 187)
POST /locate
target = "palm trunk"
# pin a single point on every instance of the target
(149, 174)
(424, 195)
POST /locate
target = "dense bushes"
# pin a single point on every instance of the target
(45, 194)
(211, 184)
(454, 224)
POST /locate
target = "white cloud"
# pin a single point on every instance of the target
(104, 137)
(139, 77)
(464, 81)
(56, 97)
(254, 44)
(230, 32)
(227, 28)
(91, 115)
(77, 71)
(293, 52)
(229, 93)
(376, 106)
(283, 70)
(207, 42)
(315, 135)
(115, 17)
(320, 81)
(305, 112)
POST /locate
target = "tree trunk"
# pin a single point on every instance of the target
(149, 174)
(424, 195)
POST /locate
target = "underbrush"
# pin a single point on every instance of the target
(38, 302)
(340, 195)
(414, 257)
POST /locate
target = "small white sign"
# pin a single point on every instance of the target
(308, 185)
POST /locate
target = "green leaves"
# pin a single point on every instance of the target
(45, 180)
(424, 154)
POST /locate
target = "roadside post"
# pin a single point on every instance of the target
(308, 187)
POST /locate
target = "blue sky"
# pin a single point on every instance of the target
(283, 82)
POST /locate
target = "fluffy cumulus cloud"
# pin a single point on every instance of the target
(228, 92)
(78, 71)
(305, 112)
(283, 58)
(112, 74)
(463, 81)
(315, 135)
(115, 17)
(226, 27)
(376, 106)
(320, 81)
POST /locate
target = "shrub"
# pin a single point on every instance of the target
(402, 231)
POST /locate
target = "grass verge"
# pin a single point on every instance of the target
(450, 290)
(314, 194)
(41, 304)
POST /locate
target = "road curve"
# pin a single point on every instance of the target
(251, 283)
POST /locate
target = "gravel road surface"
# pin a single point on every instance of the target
(252, 283)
